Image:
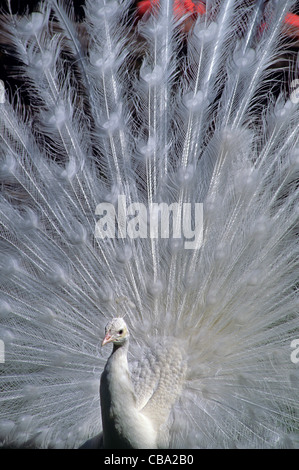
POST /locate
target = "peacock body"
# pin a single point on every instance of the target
(152, 176)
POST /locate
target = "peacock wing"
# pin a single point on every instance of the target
(158, 380)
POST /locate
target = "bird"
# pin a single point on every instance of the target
(140, 424)
(149, 226)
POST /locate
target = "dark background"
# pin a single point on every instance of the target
(284, 71)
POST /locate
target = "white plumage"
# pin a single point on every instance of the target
(119, 114)
(136, 416)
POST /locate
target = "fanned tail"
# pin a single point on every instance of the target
(111, 138)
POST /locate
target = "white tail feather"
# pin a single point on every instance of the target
(190, 120)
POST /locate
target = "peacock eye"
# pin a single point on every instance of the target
(120, 332)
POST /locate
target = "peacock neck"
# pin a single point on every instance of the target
(124, 427)
(121, 348)
(117, 367)
(117, 398)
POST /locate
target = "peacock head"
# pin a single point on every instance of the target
(116, 332)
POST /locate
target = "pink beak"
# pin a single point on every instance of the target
(108, 338)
